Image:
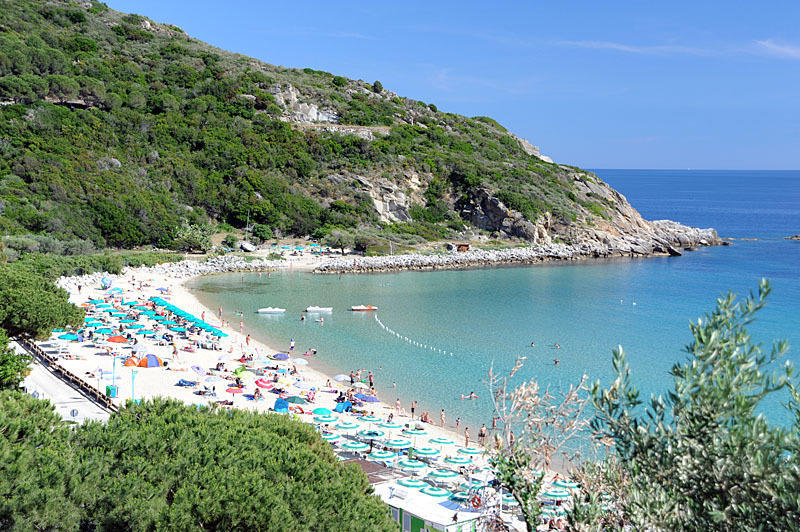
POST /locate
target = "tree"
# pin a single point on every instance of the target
(31, 306)
(163, 465)
(262, 232)
(547, 424)
(377, 87)
(704, 458)
(339, 238)
(230, 241)
(192, 238)
(13, 366)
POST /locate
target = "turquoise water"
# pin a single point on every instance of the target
(458, 322)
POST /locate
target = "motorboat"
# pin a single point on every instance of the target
(319, 309)
(363, 308)
(271, 310)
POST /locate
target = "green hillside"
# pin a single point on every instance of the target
(114, 130)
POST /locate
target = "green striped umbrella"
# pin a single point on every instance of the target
(509, 499)
(415, 432)
(158, 318)
(398, 443)
(426, 451)
(566, 484)
(329, 436)
(412, 464)
(369, 419)
(104, 305)
(553, 511)
(461, 496)
(443, 474)
(470, 451)
(412, 483)
(321, 411)
(127, 321)
(355, 446)
(390, 425)
(148, 313)
(371, 433)
(436, 492)
(381, 455)
(346, 425)
(473, 485)
(459, 460)
(556, 493)
(135, 326)
(325, 419)
(441, 441)
(144, 331)
(169, 322)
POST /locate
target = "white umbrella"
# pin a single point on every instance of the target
(341, 377)
(300, 361)
(360, 385)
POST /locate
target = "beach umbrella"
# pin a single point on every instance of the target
(378, 454)
(369, 419)
(330, 436)
(412, 483)
(551, 512)
(115, 289)
(162, 290)
(117, 339)
(426, 451)
(443, 474)
(470, 451)
(415, 432)
(300, 361)
(369, 398)
(104, 330)
(261, 383)
(280, 356)
(390, 425)
(341, 378)
(371, 433)
(148, 313)
(129, 303)
(398, 443)
(441, 441)
(103, 305)
(566, 484)
(58, 330)
(461, 496)
(472, 485)
(321, 411)
(346, 425)
(555, 493)
(220, 334)
(95, 301)
(233, 390)
(296, 399)
(355, 446)
(135, 326)
(458, 460)
(157, 318)
(325, 419)
(507, 498)
(177, 329)
(360, 385)
(435, 492)
(303, 385)
(69, 336)
(169, 322)
(144, 331)
(140, 307)
(412, 464)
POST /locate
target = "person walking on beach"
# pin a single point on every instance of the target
(371, 380)
(291, 344)
(241, 326)
(247, 340)
(413, 407)
(397, 406)
(482, 435)
(220, 312)
(352, 378)
(466, 436)
(458, 422)
(442, 417)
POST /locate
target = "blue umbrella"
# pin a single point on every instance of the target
(104, 330)
(69, 336)
(145, 331)
(220, 334)
(178, 329)
(281, 356)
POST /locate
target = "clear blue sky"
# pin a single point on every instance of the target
(697, 84)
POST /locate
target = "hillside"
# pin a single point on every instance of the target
(115, 130)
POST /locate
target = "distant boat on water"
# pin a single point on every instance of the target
(271, 310)
(319, 309)
(363, 308)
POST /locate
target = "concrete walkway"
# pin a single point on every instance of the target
(70, 404)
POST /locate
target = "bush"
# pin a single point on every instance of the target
(230, 241)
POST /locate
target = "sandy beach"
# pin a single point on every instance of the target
(91, 362)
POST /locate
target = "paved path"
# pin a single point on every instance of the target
(67, 400)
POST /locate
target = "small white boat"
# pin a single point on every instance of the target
(319, 309)
(246, 246)
(363, 308)
(271, 310)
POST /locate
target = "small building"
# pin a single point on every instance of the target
(416, 512)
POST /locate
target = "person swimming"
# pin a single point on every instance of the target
(471, 395)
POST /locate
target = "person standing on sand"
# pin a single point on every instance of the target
(482, 435)
(247, 340)
(220, 312)
(466, 436)
(241, 326)
(458, 422)
(442, 417)
(413, 407)
(203, 316)
(371, 380)
(397, 406)
(291, 344)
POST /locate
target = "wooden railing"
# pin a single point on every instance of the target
(67, 376)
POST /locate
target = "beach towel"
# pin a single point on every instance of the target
(184, 382)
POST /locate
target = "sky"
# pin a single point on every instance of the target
(623, 84)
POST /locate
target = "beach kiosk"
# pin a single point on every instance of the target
(416, 511)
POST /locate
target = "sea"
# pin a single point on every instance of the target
(437, 334)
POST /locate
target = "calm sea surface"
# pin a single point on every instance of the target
(449, 326)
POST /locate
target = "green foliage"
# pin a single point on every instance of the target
(230, 241)
(192, 238)
(703, 458)
(262, 232)
(13, 366)
(377, 87)
(31, 306)
(340, 239)
(339, 81)
(166, 466)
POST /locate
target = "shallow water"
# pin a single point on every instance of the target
(449, 326)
